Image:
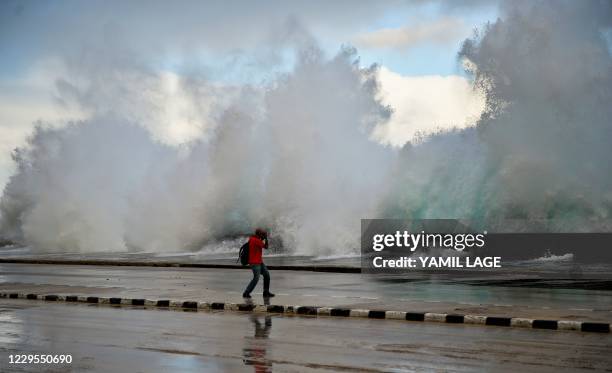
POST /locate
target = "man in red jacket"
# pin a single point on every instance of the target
(257, 243)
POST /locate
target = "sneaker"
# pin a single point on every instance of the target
(268, 295)
(245, 295)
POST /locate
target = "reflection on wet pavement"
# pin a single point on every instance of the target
(255, 350)
(256, 346)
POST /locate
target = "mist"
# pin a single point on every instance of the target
(296, 153)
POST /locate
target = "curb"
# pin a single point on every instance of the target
(309, 268)
(517, 322)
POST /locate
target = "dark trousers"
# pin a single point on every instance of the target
(257, 270)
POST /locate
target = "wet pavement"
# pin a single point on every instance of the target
(308, 288)
(105, 339)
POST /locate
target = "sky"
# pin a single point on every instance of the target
(59, 57)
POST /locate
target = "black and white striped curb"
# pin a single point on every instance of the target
(328, 311)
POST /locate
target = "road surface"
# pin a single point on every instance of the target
(105, 339)
(308, 288)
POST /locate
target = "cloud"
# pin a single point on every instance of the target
(426, 104)
(441, 31)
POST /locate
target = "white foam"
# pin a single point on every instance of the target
(548, 257)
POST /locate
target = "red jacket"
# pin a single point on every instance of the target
(256, 246)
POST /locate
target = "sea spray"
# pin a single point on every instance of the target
(296, 154)
(305, 167)
(541, 149)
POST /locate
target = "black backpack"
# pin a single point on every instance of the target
(243, 254)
